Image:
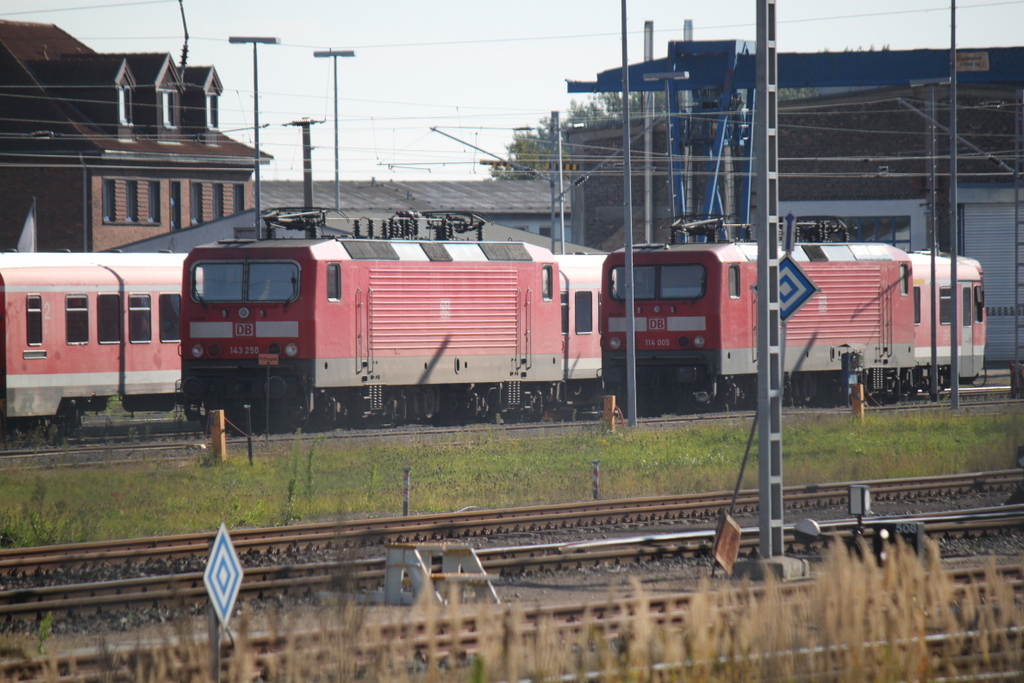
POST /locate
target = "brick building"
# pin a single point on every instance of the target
(113, 147)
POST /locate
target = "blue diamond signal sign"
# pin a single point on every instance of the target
(223, 575)
(795, 288)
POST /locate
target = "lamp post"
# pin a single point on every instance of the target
(334, 54)
(255, 118)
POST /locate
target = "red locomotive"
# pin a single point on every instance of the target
(340, 331)
(79, 329)
(696, 325)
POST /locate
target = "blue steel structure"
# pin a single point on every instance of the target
(722, 76)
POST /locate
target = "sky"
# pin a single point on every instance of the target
(475, 69)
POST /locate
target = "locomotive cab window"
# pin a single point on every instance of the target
(34, 320)
(917, 305)
(333, 282)
(676, 281)
(273, 281)
(108, 318)
(904, 279)
(966, 312)
(76, 319)
(979, 304)
(565, 312)
(250, 281)
(546, 283)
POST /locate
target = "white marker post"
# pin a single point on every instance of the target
(223, 577)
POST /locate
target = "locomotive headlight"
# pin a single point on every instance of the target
(698, 341)
(291, 349)
(615, 342)
(243, 312)
(197, 350)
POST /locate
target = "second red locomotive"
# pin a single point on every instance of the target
(696, 325)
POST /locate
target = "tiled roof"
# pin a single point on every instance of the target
(87, 70)
(28, 41)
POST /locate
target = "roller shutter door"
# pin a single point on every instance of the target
(988, 238)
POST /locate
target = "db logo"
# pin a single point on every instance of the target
(245, 330)
(656, 323)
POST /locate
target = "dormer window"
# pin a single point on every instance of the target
(212, 113)
(169, 107)
(124, 105)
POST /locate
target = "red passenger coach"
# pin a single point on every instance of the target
(341, 331)
(696, 325)
(81, 328)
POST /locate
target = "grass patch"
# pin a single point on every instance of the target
(304, 481)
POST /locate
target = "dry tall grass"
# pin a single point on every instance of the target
(858, 622)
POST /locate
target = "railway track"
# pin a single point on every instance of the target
(136, 448)
(264, 551)
(467, 524)
(450, 637)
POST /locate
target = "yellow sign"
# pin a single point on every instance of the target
(268, 359)
(971, 61)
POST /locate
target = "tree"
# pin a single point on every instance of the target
(531, 147)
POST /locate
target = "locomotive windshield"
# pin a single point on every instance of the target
(675, 281)
(248, 281)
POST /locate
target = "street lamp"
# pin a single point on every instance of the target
(334, 54)
(255, 117)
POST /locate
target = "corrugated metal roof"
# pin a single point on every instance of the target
(481, 196)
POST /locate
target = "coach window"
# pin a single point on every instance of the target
(34, 319)
(273, 281)
(546, 283)
(734, 281)
(333, 282)
(140, 318)
(904, 279)
(685, 281)
(584, 312)
(565, 312)
(170, 317)
(944, 305)
(979, 304)
(108, 318)
(76, 319)
(917, 305)
(967, 314)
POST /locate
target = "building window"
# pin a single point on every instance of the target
(218, 200)
(108, 318)
(109, 200)
(140, 318)
(154, 201)
(584, 312)
(239, 197)
(76, 319)
(333, 282)
(197, 203)
(168, 109)
(170, 317)
(212, 113)
(131, 201)
(34, 320)
(124, 105)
